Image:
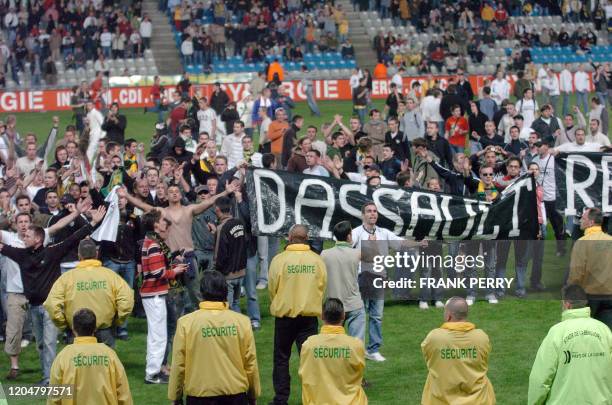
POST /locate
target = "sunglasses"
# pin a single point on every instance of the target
(488, 174)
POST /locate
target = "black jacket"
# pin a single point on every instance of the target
(400, 146)
(69, 254)
(441, 148)
(230, 248)
(546, 131)
(218, 102)
(115, 131)
(450, 100)
(456, 182)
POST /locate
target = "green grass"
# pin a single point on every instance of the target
(516, 328)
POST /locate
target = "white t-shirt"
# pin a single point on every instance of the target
(397, 79)
(106, 39)
(232, 149)
(527, 108)
(13, 273)
(547, 170)
(206, 118)
(317, 171)
(384, 239)
(263, 130)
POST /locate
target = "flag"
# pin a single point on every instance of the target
(108, 229)
(115, 180)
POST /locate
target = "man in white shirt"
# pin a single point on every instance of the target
(355, 79)
(542, 76)
(527, 107)
(207, 118)
(596, 136)
(106, 39)
(546, 162)
(313, 158)
(146, 31)
(569, 128)
(232, 145)
(500, 88)
(27, 163)
(398, 80)
(507, 122)
(551, 83)
(374, 298)
(95, 119)
(579, 145)
(581, 84)
(430, 109)
(566, 86)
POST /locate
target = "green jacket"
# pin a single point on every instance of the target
(574, 362)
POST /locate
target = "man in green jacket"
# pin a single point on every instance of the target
(574, 362)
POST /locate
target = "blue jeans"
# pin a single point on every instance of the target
(603, 97)
(582, 98)
(106, 50)
(157, 108)
(565, 106)
(457, 149)
(355, 322)
(188, 60)
(233, 293)
(45, 334)
(374, 309)
(267, 248)
(488, 248)
(361, 113)
(126, 271)
(250, 284)
(312, 103)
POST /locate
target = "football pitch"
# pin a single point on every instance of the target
(515, 327)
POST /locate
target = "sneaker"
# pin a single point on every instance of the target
(376, 356)
(123, 336)
(492, 298)
(538, 287)
(262, 285)
(470, 300)
(13, 374)
(255, 325)
(439, 304)
(2, 338)
(423, 305)
(520, 293)
(24, 343)
(159, 378)
(43, 383)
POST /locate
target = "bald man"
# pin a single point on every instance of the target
(457, 357)
(297, 281)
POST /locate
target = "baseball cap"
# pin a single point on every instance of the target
(202, 189)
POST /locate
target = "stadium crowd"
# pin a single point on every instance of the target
(454, 140)
(255, 29)
(37, 34)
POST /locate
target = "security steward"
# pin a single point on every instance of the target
(457, 357)
(591, 265)
(332, 363)
(297, 280)
(213, 357)
(93, 370)
(89, 285)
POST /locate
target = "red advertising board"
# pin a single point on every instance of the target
(329, 89)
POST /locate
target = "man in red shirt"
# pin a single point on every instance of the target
(501, 16)
(156, 98)
(178, 114)
(96, 90)
(437, 58)
(456, 129)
